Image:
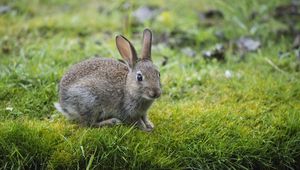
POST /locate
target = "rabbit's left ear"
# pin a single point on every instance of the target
(126, 50)
(147, 42)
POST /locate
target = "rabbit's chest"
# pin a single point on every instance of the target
(136, 109)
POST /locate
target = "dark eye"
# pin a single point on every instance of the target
(139, 77)
(158, 74)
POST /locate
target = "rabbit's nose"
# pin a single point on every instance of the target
(155, 93)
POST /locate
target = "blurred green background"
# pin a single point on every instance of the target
(229, 69)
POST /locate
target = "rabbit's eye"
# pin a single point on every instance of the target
(139, 76)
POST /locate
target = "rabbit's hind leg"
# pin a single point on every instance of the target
(80, 102)
(108, 122)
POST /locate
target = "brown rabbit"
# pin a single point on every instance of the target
(102, 91)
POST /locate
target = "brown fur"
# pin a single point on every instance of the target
(101, 91)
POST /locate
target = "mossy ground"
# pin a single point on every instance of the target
(203, 119)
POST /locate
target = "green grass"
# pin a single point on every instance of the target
(203, 119)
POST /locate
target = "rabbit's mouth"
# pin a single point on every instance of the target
(152, 94)
(148, 97)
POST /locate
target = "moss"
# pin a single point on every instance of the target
(203, 119)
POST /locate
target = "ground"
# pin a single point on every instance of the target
(241, 112)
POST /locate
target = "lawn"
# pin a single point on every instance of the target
(239, 112)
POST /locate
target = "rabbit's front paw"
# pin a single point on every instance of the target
(143, 126)
(149, 124)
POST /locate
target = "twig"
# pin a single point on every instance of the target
(275, 66)
(280, 70)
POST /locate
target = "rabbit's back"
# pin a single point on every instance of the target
(96, 69)
(93, 88)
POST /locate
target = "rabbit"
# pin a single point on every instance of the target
(101, 92)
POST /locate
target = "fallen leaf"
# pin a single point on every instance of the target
(4, 9)
(218, 52)
(248, 44)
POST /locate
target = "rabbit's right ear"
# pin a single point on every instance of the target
(147, 41)
(126, 50)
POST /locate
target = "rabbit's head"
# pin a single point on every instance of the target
(143, 79)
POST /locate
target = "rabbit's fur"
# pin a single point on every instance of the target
(102, 91)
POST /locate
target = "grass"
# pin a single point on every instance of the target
(203, 120)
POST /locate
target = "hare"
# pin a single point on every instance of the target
(101, 91)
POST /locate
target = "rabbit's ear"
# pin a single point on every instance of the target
(147, 42)
(126, 50)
